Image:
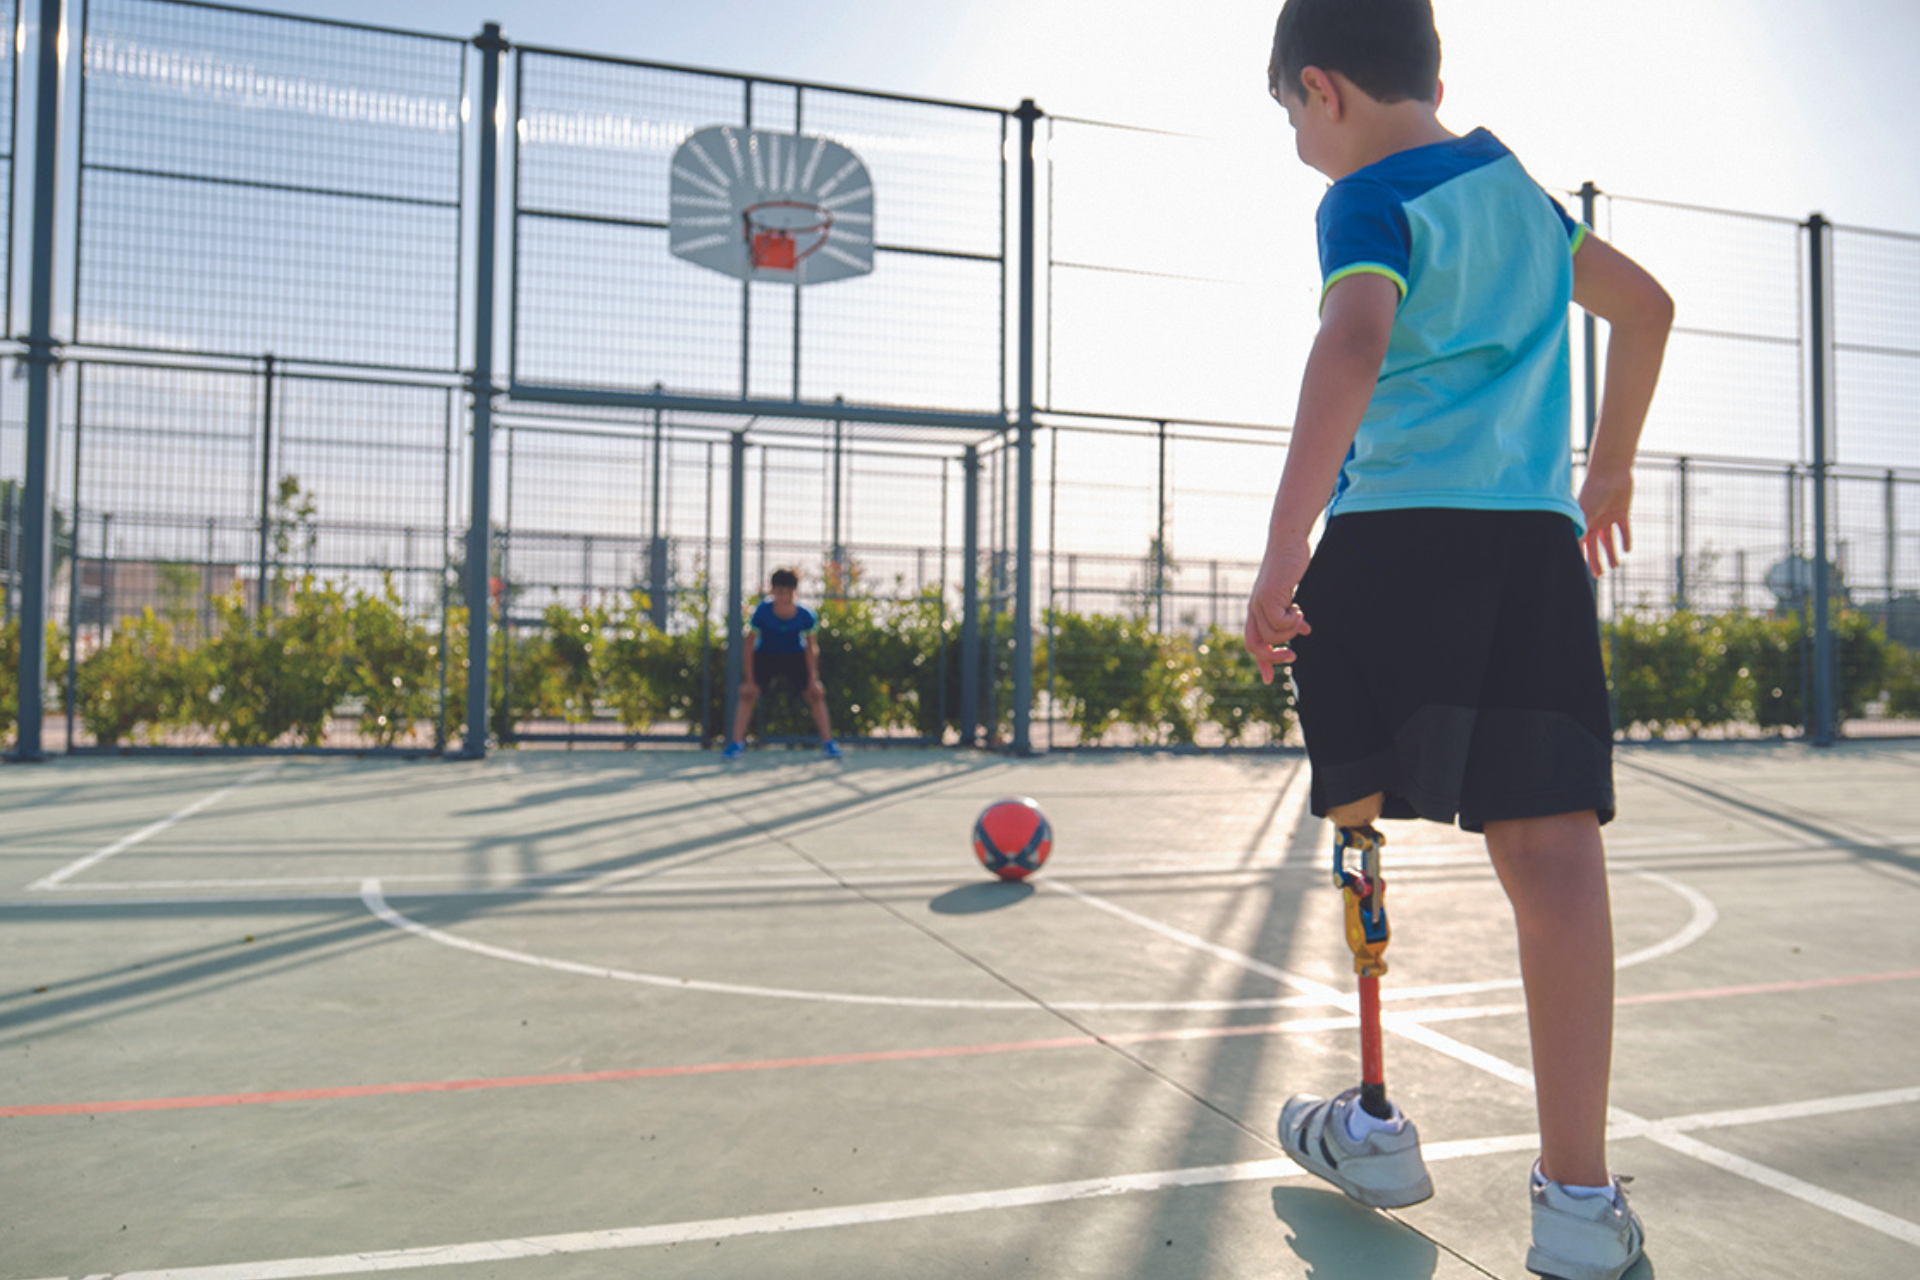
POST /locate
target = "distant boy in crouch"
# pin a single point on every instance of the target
(784, 653)
(1442, 634)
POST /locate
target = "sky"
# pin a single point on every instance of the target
(1781, 107)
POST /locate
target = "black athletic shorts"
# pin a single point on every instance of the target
(772, 668)
(1454, 664)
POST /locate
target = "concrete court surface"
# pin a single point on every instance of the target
(605, 1014)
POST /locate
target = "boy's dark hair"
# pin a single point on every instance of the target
(785, 578)
(1389, 48)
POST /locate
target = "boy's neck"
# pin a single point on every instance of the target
(1381, 129)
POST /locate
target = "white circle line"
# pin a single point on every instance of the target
(371, 894)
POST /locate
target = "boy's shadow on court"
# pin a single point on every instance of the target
(1340, 1240)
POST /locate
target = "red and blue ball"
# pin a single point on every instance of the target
(1012, 838)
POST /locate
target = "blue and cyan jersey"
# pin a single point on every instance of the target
(782, 635)
(1474, 400)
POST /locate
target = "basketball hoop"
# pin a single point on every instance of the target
(780, 234)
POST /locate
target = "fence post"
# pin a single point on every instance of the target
(970, 597)
(1588, 198)
(736, 572)
(1023, 536)
(480, 382)
(1818, 383)
(1160, 536)
(1680, 601)
(265, 549)
(42, 354)
(657, 548)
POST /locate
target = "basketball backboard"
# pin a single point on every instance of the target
(783, 207)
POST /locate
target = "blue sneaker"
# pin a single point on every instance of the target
(734, 750)
(830, 749)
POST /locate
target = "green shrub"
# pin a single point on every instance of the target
(1111, 670)
(135, 685)
(394, 665)
(1682, 671)
(281, 678)
(1231, 693)
(1903, 682)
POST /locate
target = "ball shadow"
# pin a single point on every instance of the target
(990, 895)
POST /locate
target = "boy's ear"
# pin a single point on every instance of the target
(1322, 92)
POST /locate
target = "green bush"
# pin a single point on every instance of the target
(136, 685)
(393, 665)
(281, 678)
(1108, 670)
(1903, 682)
(1231, 693)
(1682, 671)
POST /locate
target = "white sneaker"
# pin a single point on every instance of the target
(1384, 1171)
(1582, 1237)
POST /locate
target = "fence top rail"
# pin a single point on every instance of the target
(1882, 233)
(1749, 215)
(252, 365)
(1092, 420)
(307, 18)
(1775, 466)
(1131, 128)
(751, 78)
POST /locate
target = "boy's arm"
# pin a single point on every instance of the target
(1342, 370)
(812, 650)
(1638, 313)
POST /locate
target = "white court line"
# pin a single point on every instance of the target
(371, 894)
(1667, 1133)
(124, 843)
(855, 1215)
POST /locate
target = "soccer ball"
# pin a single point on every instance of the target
(1012, 838)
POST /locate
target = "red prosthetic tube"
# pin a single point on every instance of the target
(1363, 893)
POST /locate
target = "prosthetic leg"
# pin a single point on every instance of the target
(1363, 891)
(1381, 1166)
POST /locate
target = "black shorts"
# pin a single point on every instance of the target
(774, 668)
(1455, 665)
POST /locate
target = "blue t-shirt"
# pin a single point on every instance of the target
(782, 635)
(1474, 402)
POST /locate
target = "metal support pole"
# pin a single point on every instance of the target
(1588, 194)
(657, 548)
(1680, 600)
(480, 385)
(1160, 537)
(970, 597)
(266, 495)
(36, 544)
(1889, 497)
(1023, 536)
(736, 574)
(1823, 693)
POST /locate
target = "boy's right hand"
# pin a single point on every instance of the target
(1273, 619)
(1606, 498)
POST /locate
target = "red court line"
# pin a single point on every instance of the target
(830, 1060)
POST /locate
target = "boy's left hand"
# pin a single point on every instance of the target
(1273, 619)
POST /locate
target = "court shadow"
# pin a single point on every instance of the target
(972, 899)
(1339, 1240)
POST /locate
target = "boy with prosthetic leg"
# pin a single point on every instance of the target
(1442, 632)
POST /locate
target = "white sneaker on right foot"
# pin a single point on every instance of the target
(1582, 1237)
(1384, 1170)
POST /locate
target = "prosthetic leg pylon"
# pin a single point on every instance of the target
(1363, 892)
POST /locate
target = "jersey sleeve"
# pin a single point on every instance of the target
(1577, 231)
(1363, 229)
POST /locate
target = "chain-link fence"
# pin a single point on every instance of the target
(272, 423)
